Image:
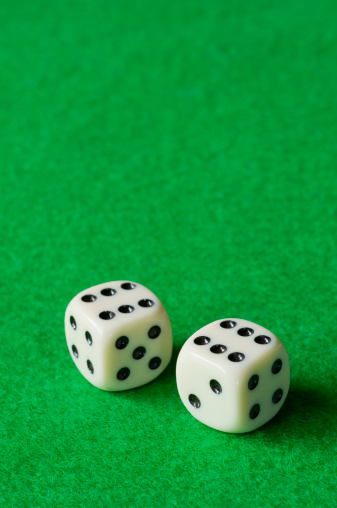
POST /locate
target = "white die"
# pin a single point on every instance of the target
(118, 334)
(233, 375)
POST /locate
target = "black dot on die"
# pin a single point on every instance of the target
(228, 324)
(145, 302)
(90, 366)
(216, 386)
(245, 332)
(193, 399)
(277, 366)
(218, 349)
(106, 315)
(202, 340)
(254, 412)
(123, 374)
(253, 382)
(154, 363)
(108, 292)
(74, 350)
(262, 339)
(89, 298)
(128, 285)
(73, 322)
(126, 309)
(236, 357)
(122, 342)
(139, 353)
(88, 338)
(277, 396)
(154, 332)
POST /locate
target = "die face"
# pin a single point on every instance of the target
(240, 353)
(140, 354)
(85, 344)
(110, 325)
(206, 390)
(113, 304)
(263, 389)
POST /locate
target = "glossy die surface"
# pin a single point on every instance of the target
(118, 334)
(233, 375)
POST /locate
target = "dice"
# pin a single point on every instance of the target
(118, 334)
(233, 375)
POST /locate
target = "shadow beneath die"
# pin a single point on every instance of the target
(306, 412)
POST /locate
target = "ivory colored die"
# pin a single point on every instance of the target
(233, 375)
(118, 334)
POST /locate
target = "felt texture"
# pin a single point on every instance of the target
(189, 146)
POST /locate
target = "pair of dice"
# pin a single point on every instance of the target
(232, 375)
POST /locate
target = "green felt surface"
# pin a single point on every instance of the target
(190, 146)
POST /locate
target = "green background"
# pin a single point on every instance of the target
(190, 146)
